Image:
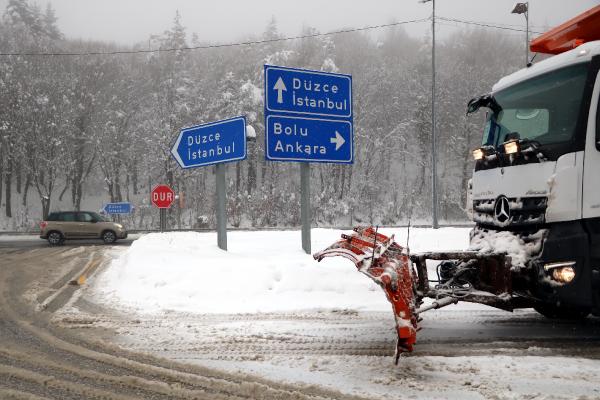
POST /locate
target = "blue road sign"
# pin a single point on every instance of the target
(297, 91)
(118, 208)
(308, 116)
(213, 143)
(308, 139)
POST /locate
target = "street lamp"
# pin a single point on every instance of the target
(523, 8)
(434, 222)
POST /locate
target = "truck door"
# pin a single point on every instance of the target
(591, 170)
(591, 182)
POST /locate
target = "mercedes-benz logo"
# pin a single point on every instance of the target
(502, 210)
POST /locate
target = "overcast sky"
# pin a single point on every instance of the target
(131, 21)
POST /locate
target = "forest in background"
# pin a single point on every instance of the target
(80, 131)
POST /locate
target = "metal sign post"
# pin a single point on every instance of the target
(221, 206)
(308, 118)
(213, 143)
(163, 219)
(305, 205)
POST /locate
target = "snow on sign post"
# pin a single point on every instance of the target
(162, 196)
(213, 143)
(308, 118)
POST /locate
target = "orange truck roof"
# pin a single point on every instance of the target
(583, 28)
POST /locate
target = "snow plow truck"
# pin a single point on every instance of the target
(534, 197)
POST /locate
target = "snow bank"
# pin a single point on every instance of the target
(262, 272)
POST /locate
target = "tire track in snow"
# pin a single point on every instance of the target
(74, 364)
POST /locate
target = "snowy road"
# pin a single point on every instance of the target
(40, 360)
(464, 351)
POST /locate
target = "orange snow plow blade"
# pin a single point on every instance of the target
(388, 265)
(471, 276)
(581, 29)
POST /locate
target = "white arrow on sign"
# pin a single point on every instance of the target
(338, 140)
(280, 87)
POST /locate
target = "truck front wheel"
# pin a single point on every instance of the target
(555, 311)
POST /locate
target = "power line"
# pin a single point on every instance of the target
(458, 26)
(264, 41)
(509, 25)
(485, 25)
(216, 46)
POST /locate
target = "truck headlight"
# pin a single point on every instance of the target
(119, 226)
(478, 154)
(562, 272)
(512, 147)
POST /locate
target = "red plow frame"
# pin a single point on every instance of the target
(388, 264)
(477, 278)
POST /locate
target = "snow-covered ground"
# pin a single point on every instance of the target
(262, 272)
(266, 308)
(18, 238)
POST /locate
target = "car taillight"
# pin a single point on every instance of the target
(43, 224)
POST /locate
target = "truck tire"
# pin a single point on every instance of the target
(554, 311)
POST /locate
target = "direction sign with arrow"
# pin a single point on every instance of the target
(118, 208)
(213, 143)
(308, 116)
(299, 91)
(308, 139)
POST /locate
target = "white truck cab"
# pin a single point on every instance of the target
(537, 172)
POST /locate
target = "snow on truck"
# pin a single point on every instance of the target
(534, 196)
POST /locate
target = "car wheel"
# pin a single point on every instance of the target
(109, 237)
(554, 311)
(55, 238)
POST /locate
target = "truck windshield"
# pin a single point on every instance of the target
(545, 108)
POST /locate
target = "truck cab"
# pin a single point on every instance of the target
(535, 191)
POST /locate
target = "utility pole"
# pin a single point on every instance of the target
(527, 35)
(434, 201)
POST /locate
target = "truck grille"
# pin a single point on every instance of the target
(510, 211)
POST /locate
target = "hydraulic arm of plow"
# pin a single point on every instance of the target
(467, 276)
